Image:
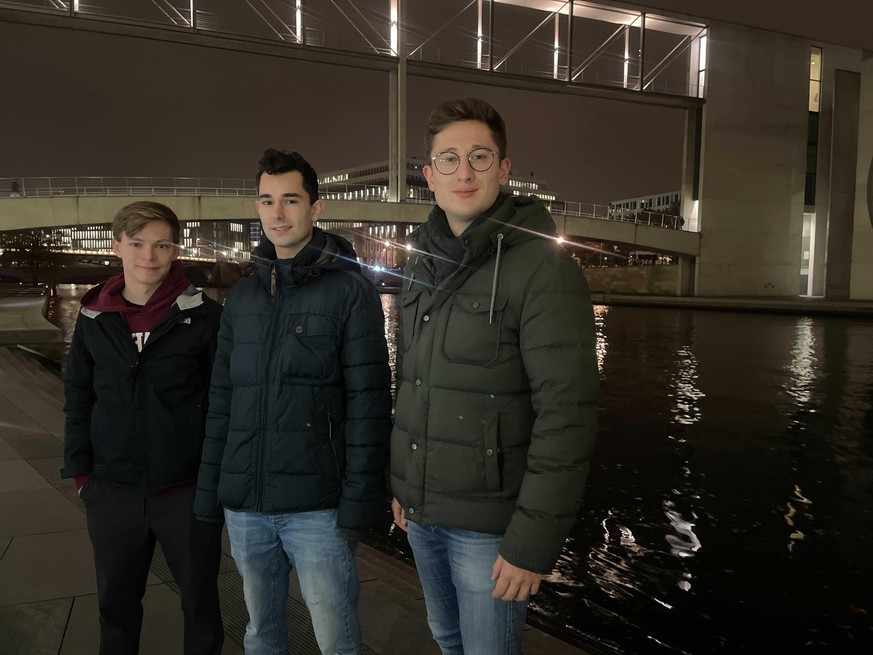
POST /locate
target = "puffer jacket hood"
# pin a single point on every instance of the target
(516, 221)
(325, 251)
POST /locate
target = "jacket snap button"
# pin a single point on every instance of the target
(418, 382)
(425, 318)
(299, 329)
(415, 446)
(489, 452)
(411, 510)
(476, 305)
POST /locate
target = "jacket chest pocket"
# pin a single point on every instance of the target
(408, 314)
(313, 344)
(473, 329)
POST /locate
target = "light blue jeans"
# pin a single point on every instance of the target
(455, 571)
(265, 548)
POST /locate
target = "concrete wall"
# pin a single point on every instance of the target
(753, 163)
(862, 244)
(651, 280)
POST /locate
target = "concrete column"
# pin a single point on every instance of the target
(842, 169)
(690, 169)
(861, 285)
(397, 112)
(753, 163)
(833, 59)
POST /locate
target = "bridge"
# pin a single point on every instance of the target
(64, 202)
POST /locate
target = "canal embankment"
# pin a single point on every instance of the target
(22, 318)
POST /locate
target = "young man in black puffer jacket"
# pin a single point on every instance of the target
(299, 416)
(136, 383)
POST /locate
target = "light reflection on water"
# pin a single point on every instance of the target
(730, 502)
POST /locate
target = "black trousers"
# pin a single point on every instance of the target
(123, 528)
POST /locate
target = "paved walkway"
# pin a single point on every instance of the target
(47, 589)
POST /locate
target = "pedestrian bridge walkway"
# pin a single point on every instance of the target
(61, 202)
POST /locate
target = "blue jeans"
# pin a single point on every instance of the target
(265, 548)
(455, 571)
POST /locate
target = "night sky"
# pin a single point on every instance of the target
(80, 103)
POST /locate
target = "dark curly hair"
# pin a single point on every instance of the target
(276, 162)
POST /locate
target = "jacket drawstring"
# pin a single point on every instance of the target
(494, 282)
(412, 274)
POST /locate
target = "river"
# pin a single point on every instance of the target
(730, 503)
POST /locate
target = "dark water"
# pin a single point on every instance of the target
(730, 504)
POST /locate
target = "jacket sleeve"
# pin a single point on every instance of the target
(367, 378)
(557, 340)
(79, 399)
(206, 505)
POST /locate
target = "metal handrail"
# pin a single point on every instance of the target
(45, 187)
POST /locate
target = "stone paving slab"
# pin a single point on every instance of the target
(37, 512)
(162, 626)
(18, 475)
(7, 452)
(48, 566)
(36, 446)
(15, 420)
(34, 628)
(393, 623)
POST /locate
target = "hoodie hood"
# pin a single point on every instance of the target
(107, 297)
(325, 251)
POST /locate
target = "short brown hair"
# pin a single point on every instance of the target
(465, 109)
(132, 218)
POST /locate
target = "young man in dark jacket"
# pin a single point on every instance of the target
(497, 390)
(136, 381)
(299, 417)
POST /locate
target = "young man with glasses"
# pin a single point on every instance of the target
(497, 390)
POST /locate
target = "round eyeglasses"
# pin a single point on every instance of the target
(481, 159)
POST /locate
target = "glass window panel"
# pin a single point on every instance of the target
(815, 64)
(814, 91)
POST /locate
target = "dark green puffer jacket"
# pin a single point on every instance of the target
(497, 388)
(300, 402)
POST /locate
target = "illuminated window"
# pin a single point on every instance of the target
(814, 79)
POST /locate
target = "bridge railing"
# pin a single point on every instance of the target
(239, 187)
(125, 186)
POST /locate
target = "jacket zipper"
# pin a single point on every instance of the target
(262, 446)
